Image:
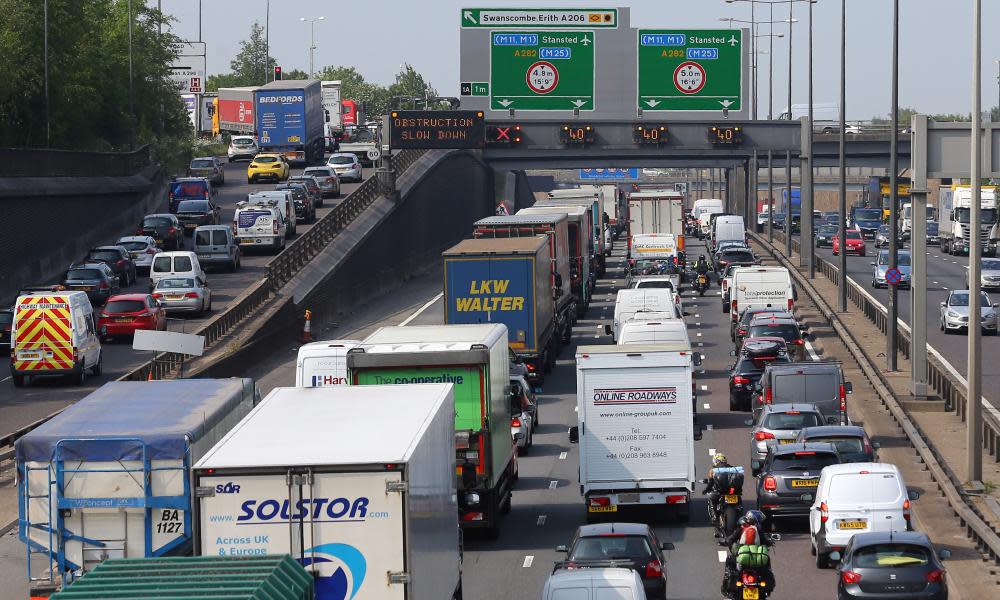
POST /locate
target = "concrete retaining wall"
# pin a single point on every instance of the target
(52, 222)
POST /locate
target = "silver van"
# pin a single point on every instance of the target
(819, 383)
(215, 245)
(607, 583)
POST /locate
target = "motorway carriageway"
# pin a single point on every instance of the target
(547, 506)
(22, 406)
(944, 273)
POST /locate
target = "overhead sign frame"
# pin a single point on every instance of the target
(520, 18)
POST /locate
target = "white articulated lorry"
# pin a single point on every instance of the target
(355, 483)
(953, 220)
(636, 427)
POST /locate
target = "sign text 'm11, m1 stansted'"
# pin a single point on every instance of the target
(689, 70)
(445, 129)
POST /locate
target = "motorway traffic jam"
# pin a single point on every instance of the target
(409, 462)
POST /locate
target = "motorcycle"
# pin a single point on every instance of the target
(751, 583)
(701, 284)
(724, 512)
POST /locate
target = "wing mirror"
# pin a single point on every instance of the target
(562, 549)
(876, 445)
(698, 359)
(943, 304)
(698, 433)
(944, 554)
(835, 556)
(670, 546)
(872, 264)
(848, 387)
(732, 353)
(913, 494)
(607, 330)
(574, 434)
(748, 422)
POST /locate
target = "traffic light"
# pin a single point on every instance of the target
(277, 73)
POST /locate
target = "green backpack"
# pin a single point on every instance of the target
(752, 555)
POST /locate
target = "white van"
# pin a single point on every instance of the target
(856, 498)
(764, 287)
(283, 200)
(323, 364)
(54, 333)
(648, 330)
(728, 227)
(705, 221)
(703, 205)
(179, 263)
(260, 225)
(632, 301)
(608, 583)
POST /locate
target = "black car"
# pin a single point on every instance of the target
(901, 564)
(305, 210)
(933, 238)
(312, 186)
(192, 213)
(623, 543)
(786, 328)
(95, 278)
(788, 478)
(738, 329)
(851, 441)
(118, 258)
(749, 366)
(164, 228)
(824, 236)
(734, 256)
(6, 325)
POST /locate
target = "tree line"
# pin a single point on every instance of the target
(88, 75)
(252, 66)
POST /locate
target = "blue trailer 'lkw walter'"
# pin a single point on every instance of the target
(109, 477)
(509, 281)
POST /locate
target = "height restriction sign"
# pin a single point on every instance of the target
(542, 70)
(689, 70)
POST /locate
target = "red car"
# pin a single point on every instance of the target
(855, 243)
(126, 313)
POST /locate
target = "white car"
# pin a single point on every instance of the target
(142, 248)
(242, 146)
(347, 166)
(856, 498)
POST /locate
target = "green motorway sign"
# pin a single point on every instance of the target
(540, 17)
(542, 70)
(690, 70)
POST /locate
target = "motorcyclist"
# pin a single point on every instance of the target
(749, 533)
(712, 486)
(702, 268)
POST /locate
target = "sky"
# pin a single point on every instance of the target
(377, 36)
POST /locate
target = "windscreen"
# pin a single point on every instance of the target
(105, 255)
(891, 556)
(803, 461)
(175, 283)
(156, 222)
(194, 206)
(986, 215)
(932, 228)
(317, 172)
(962, 299)
(238, 141)
(124, 306)
(868, 487)
(83, 274)
(853, 234)
(6, 317)
(745, 257)
(828, 230)
(991, 264)
(202, 163)
(266, 159)
(868, 214)
(788, 332)
(610, 547)
(133, 246)
(340, 160)
(791, 421)
(655, 283)
(845, 445)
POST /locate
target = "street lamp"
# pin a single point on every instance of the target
(312, 39)
(755, 51)
(770, 72)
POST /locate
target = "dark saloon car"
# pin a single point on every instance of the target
(118, 258)
(891, 566)
(194, 213)
(305, 210)
(96, 278)
(825, 235)
(787, 329)
(165, 230)
(788, 478)
(734, 256)
(749, 366)
(851, 441)
(635, 543)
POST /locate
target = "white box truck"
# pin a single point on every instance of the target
(656, 211)
(353, 482)
(636, 427)
(109, 476)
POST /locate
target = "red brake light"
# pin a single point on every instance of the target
(843, 404)
(791, 304)
(732, 490)
(104, 285)
(600, 501)
(530, 367)
(805, 454)
(190, 295)
(654, 569)
(798, 342)
(792, 412)
(936, 576)
(741, 380)
(748, 577)
(172, 230)
(850, 577)
(120, 262)
(760, 436)
(770, 483)
(515, 422)
(736, 310)
(906, 510)
(824, 512)
(157, 295)
(768, 396)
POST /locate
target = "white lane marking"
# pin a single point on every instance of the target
(563, 455)
(811, 351)
(530, 559)
(722, 556)
(553, 484)
(541, 520)
(709, 427)
(698, 334)
(711, 451)
(421, 309)
(699, 343)
(597, 337)
(6, 378)
(934, 282)
(576, 409)
(600, 327)
(697, 316)
(707, 406)
(701, 372)
(704, 388)
(699, 325)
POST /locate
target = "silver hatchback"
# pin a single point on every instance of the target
(955, 312)
(183, 294)
(779, 424)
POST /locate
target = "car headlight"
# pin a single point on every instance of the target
(953, 314)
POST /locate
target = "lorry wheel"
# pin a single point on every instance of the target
(19, 380)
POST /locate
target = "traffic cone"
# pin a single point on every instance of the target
(149, 375)
(307, 329)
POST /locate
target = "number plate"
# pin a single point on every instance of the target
(628, 498)
(731, 499)
(852, 524)
(799, 483)
(134, 255)
(751, 593)
(123, 320)
(23, 355)
(602, 509)
(174, 297)
(786, 441)
(806, 497)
